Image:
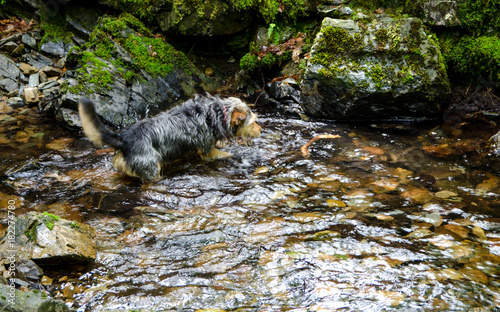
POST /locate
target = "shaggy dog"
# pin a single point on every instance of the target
(143, 148)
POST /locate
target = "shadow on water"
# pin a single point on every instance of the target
(386, 217)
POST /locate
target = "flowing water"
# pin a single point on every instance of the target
(384, 218)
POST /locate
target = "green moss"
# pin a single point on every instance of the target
(479, 17)
(269, 10)
(54, 28)
(74, 225)
(250, 61)
(49, 219)
(31, 231)
(378, 75)
(382, 37)
(470, 58)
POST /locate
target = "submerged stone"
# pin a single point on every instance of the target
(389, 68)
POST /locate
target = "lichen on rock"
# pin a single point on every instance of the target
(380, 68)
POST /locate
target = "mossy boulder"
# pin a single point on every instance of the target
(378, 68)
(127, 70)
(48, 239)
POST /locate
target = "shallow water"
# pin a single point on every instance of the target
(384, 218)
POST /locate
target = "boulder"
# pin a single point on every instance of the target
(384, 68)
(9, 74)
(50, 240)
(140, 72)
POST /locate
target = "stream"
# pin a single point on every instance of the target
(388, 217)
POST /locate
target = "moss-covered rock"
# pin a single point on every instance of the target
(383, 68)
(127, 70)
(49, 239)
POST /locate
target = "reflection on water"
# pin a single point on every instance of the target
(386, 217)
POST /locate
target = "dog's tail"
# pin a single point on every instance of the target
(93, 127)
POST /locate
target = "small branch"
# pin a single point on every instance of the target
(305, 148)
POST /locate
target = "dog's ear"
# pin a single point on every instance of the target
(238, 118)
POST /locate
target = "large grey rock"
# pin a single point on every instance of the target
(389, 68)
(55, 47)
(119, 101)
(9, 74)
(48, 239)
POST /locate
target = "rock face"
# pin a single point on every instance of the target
(386, 68)
(214, 19)
(48, 239)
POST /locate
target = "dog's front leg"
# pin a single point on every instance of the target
(215, 154)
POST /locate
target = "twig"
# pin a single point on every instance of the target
(305, 148)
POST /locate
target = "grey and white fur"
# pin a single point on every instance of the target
(143, 148)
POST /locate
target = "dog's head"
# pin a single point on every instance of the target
(241, 119)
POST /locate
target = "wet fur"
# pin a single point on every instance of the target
(196, 126)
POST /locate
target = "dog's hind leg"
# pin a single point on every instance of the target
(148, 170)
(214, 154)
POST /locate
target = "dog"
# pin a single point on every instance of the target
(144, 148)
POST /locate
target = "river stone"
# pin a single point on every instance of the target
(389, 68)
(9, 73)
(28, 301)
(48, 239)
(29, 41)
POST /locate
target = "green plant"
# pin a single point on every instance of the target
(49, 219)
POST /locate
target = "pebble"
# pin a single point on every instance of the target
(34, 80)
(47, 281)
(209, 72)
(28, 69)
(15, 102)
(29, 41)
(51, 71)
(9, 46)
(31, 95)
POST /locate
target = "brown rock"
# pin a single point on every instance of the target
(31, 95)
